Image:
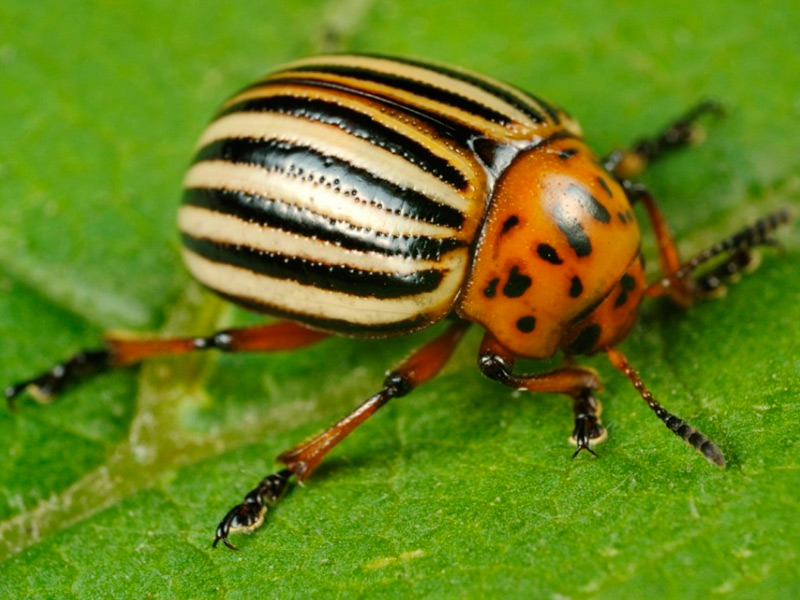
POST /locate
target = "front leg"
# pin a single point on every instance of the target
(683, 131)
(580, 383)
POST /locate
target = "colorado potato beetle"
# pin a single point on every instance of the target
(371, 196)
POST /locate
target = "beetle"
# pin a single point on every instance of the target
(373, 196)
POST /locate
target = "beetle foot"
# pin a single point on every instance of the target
(588, 429)
(43, 388)
(686, 130)
(249, 515)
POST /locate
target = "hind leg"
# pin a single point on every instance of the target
(121, 351)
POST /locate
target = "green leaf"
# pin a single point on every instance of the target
(464, 488)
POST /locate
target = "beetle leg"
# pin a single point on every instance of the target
(683, 131)
(668, 255)
(578, 382)
(301, 460)
(690, 434)
(123, 350)
(676, 280)
(737, 250)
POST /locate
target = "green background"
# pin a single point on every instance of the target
(463, 489)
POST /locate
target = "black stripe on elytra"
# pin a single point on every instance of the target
(332, 325)
(279, 215)
(548, 253)
(305, 162)
(517, 284)
(586, 340)
(413, 86)
(333, 277)
(487, 86)
(359, 125)
(443, 126)
(589, 203)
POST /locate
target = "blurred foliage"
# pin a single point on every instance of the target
(462, 489)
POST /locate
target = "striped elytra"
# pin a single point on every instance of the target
(350, 193)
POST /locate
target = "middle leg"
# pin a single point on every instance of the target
(676, 279)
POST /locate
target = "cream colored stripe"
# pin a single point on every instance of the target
(429, 77)
(228, 229)
(495, 131)
(323, 304)
(466, 166)
(332, 141)
(319, 199)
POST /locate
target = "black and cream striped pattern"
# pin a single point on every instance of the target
(344, 191)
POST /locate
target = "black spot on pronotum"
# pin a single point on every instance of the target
(517, 284)
(628, 282)
(589, 203)
(510, 222)
(586, 340)
(604, 185)
(575, 287)
(526, 324)
(621, 299)
(571, 227)
(568, 153)
(621, 216)
(548, 253)
(490, 290)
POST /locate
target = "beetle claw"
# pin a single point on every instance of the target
(587, 430)
(249, 515)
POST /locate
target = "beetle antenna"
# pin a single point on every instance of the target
(690, 434)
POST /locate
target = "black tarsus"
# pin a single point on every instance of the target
(45, 386)
(587, 422)
(739, 245)
(251, 511)
(676, 135)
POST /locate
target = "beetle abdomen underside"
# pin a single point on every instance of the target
(343, 191)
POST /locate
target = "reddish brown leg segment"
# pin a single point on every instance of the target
(301, 460)
(120, 351)
(676, 277)
(580, 383)
(691, 435)
(668, 254)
